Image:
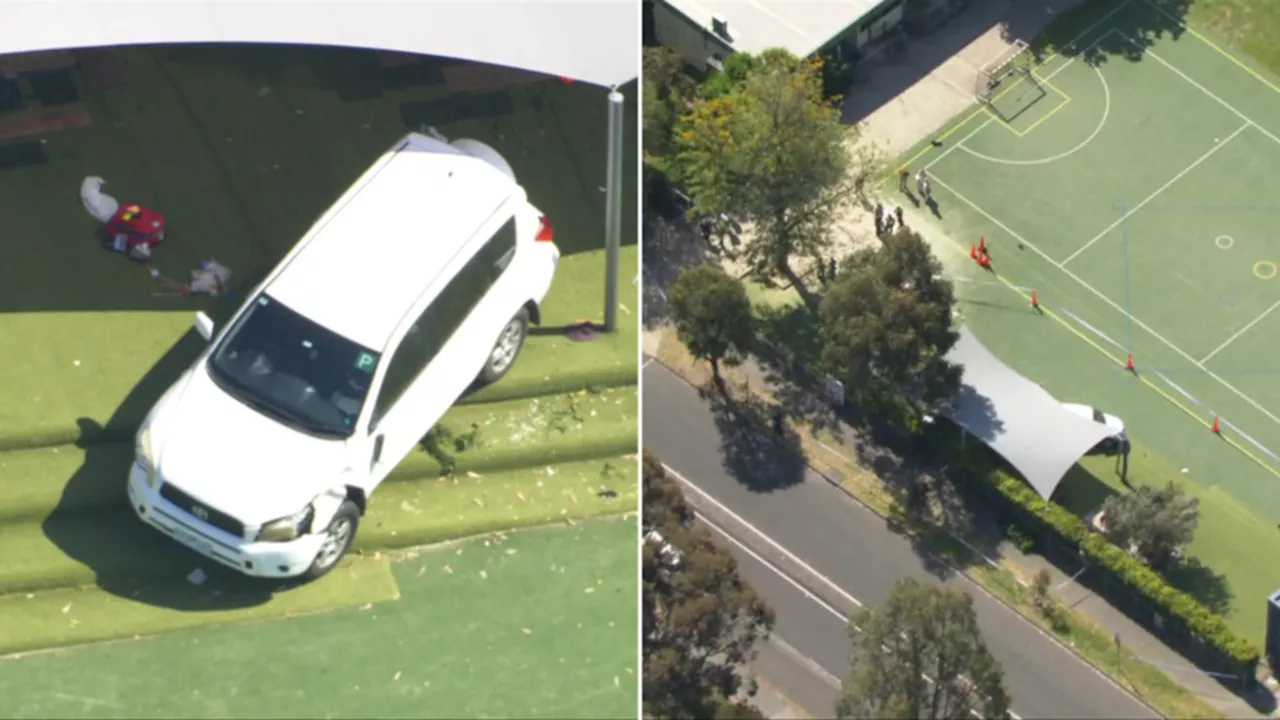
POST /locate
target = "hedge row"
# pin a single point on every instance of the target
(1204, 625)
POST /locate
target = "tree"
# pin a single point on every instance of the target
(885, 325)
(921, 631)
(1156, 522)
(712, 315)
(666, 90)
(701, 620)
(771, 153)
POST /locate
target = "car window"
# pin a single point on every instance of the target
(1098, 417)
(297, 371)
(442, 318)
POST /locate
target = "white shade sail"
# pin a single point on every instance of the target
(593, 41)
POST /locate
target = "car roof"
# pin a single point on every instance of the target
(368, 259)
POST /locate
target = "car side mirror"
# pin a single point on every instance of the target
(204, 326)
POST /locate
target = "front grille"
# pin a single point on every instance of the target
(200, 511)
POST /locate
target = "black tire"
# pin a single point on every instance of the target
(329, 556)
(508, 346)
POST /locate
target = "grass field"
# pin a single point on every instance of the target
(1133, 192)
(539, 623)
(242, 147)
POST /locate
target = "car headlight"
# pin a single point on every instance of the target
(144, 456)
(287, 528)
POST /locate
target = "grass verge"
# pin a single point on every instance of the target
(1076, 631)
(539, 623)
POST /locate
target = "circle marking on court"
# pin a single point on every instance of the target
(1264, 269)
(1106, 111)
(1224, 242)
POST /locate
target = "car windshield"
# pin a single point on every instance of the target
(296, 371)
(1098, 417)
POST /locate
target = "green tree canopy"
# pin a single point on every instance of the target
(701, 620)
(886, 326)
(1156, 521)
(712, 314)
(769, 152)
(921, 631)
(666, 90)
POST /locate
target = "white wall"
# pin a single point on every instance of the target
(679, 33)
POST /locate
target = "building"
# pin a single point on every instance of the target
(704, 32)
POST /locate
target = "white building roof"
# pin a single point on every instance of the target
(595, 42)
(800, 26)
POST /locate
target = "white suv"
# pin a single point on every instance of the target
(422, 278)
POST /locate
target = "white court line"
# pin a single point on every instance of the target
(1163, 340)
(1242, 331)
(983, 125)
(1160, 190)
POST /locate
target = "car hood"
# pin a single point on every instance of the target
(235, 459)
(1112, 423)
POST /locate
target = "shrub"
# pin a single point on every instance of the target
(1201, 623)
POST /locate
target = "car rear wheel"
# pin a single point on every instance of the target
(338, 537)
(507, 348)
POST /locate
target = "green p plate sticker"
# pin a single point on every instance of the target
(365, 362)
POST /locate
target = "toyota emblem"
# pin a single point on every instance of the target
(200, 512)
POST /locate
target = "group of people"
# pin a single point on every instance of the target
(922, 183)
(886, 221)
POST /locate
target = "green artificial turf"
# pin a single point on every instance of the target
(83, 372)
(539, 623)
(85, 537)
(76, 615)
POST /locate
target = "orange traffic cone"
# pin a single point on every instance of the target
(1035, 301)
(973, 252)
(982, 244)
(984, 261)
(1216, 429)
(1129, 365)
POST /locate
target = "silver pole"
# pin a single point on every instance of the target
(613, 212)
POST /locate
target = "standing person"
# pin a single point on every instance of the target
(879, 218)
(903, 174)
(831, 270)
(921, 180)
(888, 224)
(897, 211)
(926, 189)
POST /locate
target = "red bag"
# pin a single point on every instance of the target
(135, 231)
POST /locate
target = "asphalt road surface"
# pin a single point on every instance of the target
(815, 554)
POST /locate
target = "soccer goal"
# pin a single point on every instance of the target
(1007, 84)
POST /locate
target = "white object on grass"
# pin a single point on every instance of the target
(210, 279)
(97, 203)
(1186, 470)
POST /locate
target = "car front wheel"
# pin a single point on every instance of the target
(338, 537)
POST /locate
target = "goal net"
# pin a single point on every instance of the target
(1006, 84)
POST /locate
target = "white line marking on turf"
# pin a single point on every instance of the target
(1202, 88)
(1240, 332)
(1102, 122)
(1198, 161)
(1145, 327)
(1050, 76)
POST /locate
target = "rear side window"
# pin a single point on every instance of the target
(442, 318)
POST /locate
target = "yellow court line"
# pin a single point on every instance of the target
(1123, 362)
(1027, 130)
(1197, 35)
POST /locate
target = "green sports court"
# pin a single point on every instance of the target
(1127, 179)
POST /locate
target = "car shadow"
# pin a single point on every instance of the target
(93, 524)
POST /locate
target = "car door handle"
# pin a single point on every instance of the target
(377, 449)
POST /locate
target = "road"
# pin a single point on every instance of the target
(815, 554)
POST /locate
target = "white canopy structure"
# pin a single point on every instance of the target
(1019, 419)
(594, 41)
